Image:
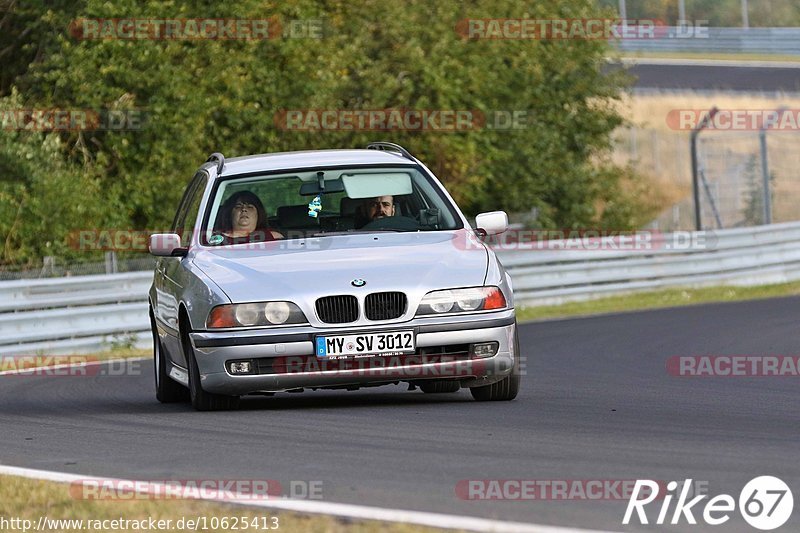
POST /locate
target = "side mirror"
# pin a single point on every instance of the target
(166, 245)
(492, 223)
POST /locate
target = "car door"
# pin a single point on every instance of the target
(171, 270)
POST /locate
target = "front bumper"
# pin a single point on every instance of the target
(213, 349)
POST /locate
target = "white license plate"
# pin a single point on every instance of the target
(395, 342)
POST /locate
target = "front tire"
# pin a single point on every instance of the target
(202, 400)
(507, 388)
(167, 389)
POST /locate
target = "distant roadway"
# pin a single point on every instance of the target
(711, 75)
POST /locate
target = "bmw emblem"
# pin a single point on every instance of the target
(358, 282)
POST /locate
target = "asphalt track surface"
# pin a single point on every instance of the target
(597, 403)
(716, 78)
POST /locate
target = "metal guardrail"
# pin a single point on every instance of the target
(741, 256)
(781, 41)
(75, 314)
(89, 313)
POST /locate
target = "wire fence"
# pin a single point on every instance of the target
(54, 267)
(734, 169)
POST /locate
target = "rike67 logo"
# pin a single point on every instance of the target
(765, 503)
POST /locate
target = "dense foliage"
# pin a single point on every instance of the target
(201, 96)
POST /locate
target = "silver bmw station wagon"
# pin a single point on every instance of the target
(330, 269)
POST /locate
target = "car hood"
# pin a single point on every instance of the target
(282, 270)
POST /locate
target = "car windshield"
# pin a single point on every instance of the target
(323, 202)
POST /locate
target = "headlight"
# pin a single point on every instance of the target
(277, 312)
(247, 314)
(255, 314)
(462, 300)
(440, 301)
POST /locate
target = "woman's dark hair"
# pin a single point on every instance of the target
(224, 220)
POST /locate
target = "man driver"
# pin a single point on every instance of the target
(379, 207)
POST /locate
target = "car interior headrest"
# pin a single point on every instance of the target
(296, 217)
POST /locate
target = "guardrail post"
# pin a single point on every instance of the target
(698, 223)
(111, 263)
(745, 15)
(765, 175)
(48, 266)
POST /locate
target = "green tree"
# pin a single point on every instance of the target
(221, 95)
(43, 197)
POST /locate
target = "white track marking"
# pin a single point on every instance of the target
(361, 512)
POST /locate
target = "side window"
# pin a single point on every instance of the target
(190, 204)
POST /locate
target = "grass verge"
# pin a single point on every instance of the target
(123, 353)
(27, 499)
(657, 299)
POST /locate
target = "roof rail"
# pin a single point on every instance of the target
(219, 158)
(390, 147)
